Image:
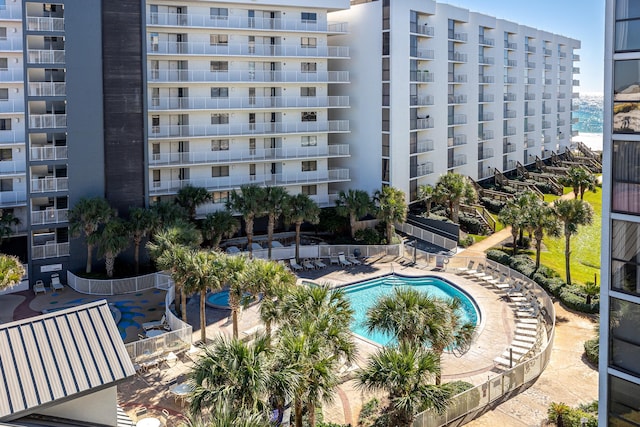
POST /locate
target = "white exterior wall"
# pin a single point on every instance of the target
(96, 408)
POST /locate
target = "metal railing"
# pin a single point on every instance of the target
(427, 236)
(50, 250)
(115, 286)
(47, 88)
(44, 56)
(208, 103)
(243, 49)
(49, 216)
(44, 23)
(247, 75)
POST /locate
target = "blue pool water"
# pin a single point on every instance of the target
(221, 299)
(363, 295)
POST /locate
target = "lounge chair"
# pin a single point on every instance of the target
(55, 282)
(353, 260)
(343, 261)
(154, 324)
(39, 287)
(294, 265)
(318, 263)
(334, 259)
(308, 265)
(467, 269)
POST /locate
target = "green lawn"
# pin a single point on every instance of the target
(585, 247)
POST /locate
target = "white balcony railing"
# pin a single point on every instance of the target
(486, 97)
(485, 117)
(424, 54)
(207, 76)
(457, 57)
(457, 119)
(421, 100)
(46, 184)
(50, 250)
(424, 146)
(486, 60)
(458, 160)
(424, 124)
(48, 153)
(422, 76)
(13, 198)
(208, 103)
(424, 30)
(47, 88)
(43, 121)
(457, 99)
(487, 135)
(269, 154)
(487, 41)
(170, 131)
(37, 56)
(423, 169)
(45, 23)
(244, 49)
(49, 216)
(457, 140)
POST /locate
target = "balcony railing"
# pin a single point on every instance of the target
(36, 56)
(561, 109)
(486, 60)
(546, 139)
(530, 49)
(562, 95)
(561, 122)
(511, 46)
(529, 64)
(508, 147)
(575, 70)
(457, 140)
(486, 97)
(244, 22)
(486, 41)
(509, 114)
(548, 67)
(11, 44)
(457, 99)
(458, 160)
(11, 75)
(47, 88)
(530, 81)
(562, 68)
(530, 127)
(546, 125)
(248, 155)
(486, 135)
(50, 250)
(562, 82)
(485, 117)
(546, 110)
(529, 96)
(562, 54)
(12, 106)
(422, 146)
(457, 119)
(486, 153)
(422, 169)
(424, 30)
(460, 37)
(44, 23)
(457, 57)
(510, 80)
(422, 124)
(509, 131)
(576, 82)
(548, 82)
(576, 57)
(546, 52)
(421, 76)
(423, 53)
(530, 112)
(208, 103)
(13, 167)
(511, 62)
(207, 76)
(228, 182)
(44, 121)
(486, 79)
(509, 97)
(458, 78)
(49, 216)
(13, 198)
(421, 100)
(243, 49)
(48, 153)
(47, 184)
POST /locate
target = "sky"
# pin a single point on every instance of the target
(578, 19)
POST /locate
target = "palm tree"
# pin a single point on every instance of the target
(11, 271)
(190, 197)
(275, 199)
(234, 272)
(219, 225)
(301, 208)
(249, 202)
(427, 193)
(168, 214)
(405, 373)
(141, 222)
(353, 204)
(7, 222)
(85, 217)
(557, 413)
(513, 215)
(202, 278)
(590, 289)
(580, 180)
(541, 218)
(224, 415)
(111, 241)
(572, 213)
(392, 208)
(455, 188)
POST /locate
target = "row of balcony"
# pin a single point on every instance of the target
(423, 146)
(45, 56)
(248, 155)
(233, 76)
(49, 216)
(229, 182)
(243, 49)
(244, 23)
(170, 131)
(50, 250)
(47, 88)
(45, 23)
(207, 103)
(46, 121)
(420, 170)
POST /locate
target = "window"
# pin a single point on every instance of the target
(218, 39)
(218, 171)
(309, 166)
(627, 25)
(309, 141)
(626, 177)
(309, 17)
(3, 33)
(386, 43)
(218, 12)
(4, 94)
(6, 184)
(219, 66)
(626, 96)
(6, 154)
(308, 42)
(219, 144)
(307, 91)
(308, 67)
(155, 40)
(5, 124)
(155, 124)
(310, 190)
(220, 196)
(623, 335)
(219, 92)
(625, 257)
(623, 402)
(156, 177)
(220, 118)
(309, 116)
(4, 64)
(155, 151)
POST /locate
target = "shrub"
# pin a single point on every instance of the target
(523, 264)
(471, 225)
(493, 206)
(368, 236)
(592, 349)
(458, 387)
(572, 417)
(508, 189)
(577, 302)
(544, 187)
(467, 241)
(499, 256)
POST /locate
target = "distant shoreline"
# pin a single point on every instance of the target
(592, 140)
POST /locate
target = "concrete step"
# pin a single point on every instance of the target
(517, 352)
(530, 326)
(523, 344)
(526, 332)
(526, 338)
(532, 321)
(504, 362)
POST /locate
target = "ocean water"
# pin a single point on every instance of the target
(589, 114)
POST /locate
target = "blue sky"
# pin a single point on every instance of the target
(578, 19)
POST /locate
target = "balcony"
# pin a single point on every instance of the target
(421, 76)
(207, 76)
(548, 82)
(530, 112)
(457, 119)
(229, 182)
(511, 46)
(576, 57)
(13, 167)
(546, 52)
(244, 49)
(510, 80)
(208, 103)
(12, 106)
(13, 198)
(575, 95)
(49, 184)
(419, 124)
(529, 96)
(459, 37)
(530, 49)
(46, 121)
(487, 135)
(546, 110)
(508, 147)
(11, 45)
(486, 79)
(36, 56)
(575, 70)
(248, 155)
(546, 124)
(576, 82)
(457, 140)
(529, 127)
(50, 250)
(546, 95)
(530, 80)
(529, 143)
(45, 23)
(12, 75)
(11, 11)
(509, 131)
(172, 131)
(457, 78)
(243, 23)
(486, 97)
(423, 53)
(562, 82)
(548, 67)
(511, 63)
(486, 60)
(509, 97)
(561, 109)
(561, 122)
(562, 68)
(546, 139)
(485, 117)
(530, 64)
(423, 30)
(422, 147)
(562, 54)
(457, 57)
(47, 153)
(458, 160)
(47, 89)
(486, 153)
(562, 95)
(420, 170)
(421, 100)
(457, 99)
(486, 41)
(49, 216)
(509, 114)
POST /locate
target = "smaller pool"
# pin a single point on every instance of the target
(221, 299)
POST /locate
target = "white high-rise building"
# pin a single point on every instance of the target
(436, 89)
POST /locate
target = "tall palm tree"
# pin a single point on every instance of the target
(249, 203)
(11, 271)
(301, 208)
(219, 225)
(572, 213)
(580, 180)
(235, 276)
(202, 278)
(141, 222)
(7, 222)
(392, 208)
(275, 199)
(85, 217)
(455, 188)
(427, 193)
(225, 415)
(353, 204)
(190, 197)
(541, 218)
(111, 241)
(513, 214)
(405, 372)
(167, 214)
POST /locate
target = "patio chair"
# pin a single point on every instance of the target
(353, 260)
(39, 287)
(334, 260)
(467, 269)
(55, 282)
(343, 261)
(154, 324)
(318, 263)
(308, 265)
(294, 265)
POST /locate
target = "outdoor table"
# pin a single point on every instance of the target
(155, 332)
(149, 422)
(182, 389)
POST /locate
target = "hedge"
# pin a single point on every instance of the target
(492, 205)
(471, 225)
(592, 349)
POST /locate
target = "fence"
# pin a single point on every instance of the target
(115, 286)
(466, 405)
(427, 236)
(326, 251)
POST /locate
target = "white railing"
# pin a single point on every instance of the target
(8, 198)
(41, 23)
(48, 153)
(42, 185)
(47, 88)
(247, 75)
(12, 167)
(113, 287)
(425, 53)
(244, 49)
(427, 236)
(208, 103)
(49, 216)
(43, 121)
(50, 250)
(45, 56)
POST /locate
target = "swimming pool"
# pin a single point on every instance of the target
(221, 299)
(364, 294)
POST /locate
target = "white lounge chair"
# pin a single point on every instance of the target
(39, 287)
(343, 261)
(353, 260)
(308, 265)
(154, 324)
(318, 263)
(467, 269)
(294, 265)
(55, 282)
